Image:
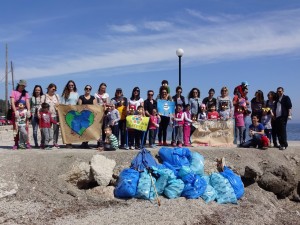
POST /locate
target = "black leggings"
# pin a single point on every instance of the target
(163, 126)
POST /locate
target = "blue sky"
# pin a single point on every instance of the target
(133, 43)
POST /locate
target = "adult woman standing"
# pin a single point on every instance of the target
(210, 100)
(70, 97)
(53, 100)
(178, 98)
(135, 99)
(224, 100)
(86, 99)
(165, 120)
(17, 95)
(101, 96)
(35, 104)
(257, 103)
(102, 99)
(194, 101)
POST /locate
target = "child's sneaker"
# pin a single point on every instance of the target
(127, 148)
(173, 143)
(160, 143)
(165, 143)
(21, 146)
(180, 145)
(48, 148)
(42, 146)
(28, 146)
(15, 147)
(56, 146)
(132, 147)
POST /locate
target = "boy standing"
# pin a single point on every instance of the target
(45, 122)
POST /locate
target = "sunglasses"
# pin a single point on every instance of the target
(88, 89)
(150, 94)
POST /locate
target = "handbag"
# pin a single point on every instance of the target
(9, 114)
(10, 110)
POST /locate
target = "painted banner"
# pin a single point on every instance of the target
(137, 122)
(80, 123)
(213, 133)
(165, 108)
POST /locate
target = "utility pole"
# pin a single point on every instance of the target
(12, 75)
(6, 81)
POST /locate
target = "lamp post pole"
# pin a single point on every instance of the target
(179, 53)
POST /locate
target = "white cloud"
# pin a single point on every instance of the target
(260, 35)
(126, 28)
(199, 15)
(157, 25)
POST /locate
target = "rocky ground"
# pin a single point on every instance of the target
(34, 190)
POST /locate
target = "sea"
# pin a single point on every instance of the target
(293, 131)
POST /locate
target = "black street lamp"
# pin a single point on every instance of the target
(179, 53)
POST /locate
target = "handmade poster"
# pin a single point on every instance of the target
(165, 108)
(80, 123)
(213, 133)
(137, 122)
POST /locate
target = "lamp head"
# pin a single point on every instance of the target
(179, 52)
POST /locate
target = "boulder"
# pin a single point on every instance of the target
(80, 175)
(102, 169)
(279, 180)
(252, 172)
(101, 193)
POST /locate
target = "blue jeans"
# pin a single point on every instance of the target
(254, 142)
(35, 126)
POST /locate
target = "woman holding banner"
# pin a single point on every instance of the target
(70, 97)
(86, 99)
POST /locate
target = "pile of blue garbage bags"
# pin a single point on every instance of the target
(181, 174)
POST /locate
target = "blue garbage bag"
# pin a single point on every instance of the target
(127, 184)
(197, 163)
(209, 194)
(169, 166)
(225, 193)
(174, 188)
(176, 157)
(184, 170)
(143, 160)
(235, 181)
(194, 186)
(164, 175)
(145, 188)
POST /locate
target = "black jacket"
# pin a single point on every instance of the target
(286, 104)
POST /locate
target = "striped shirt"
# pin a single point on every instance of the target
(113, 141)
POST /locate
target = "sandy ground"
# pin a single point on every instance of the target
(35, 193)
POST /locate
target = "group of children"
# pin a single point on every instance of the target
(22, 117)
(134, 138)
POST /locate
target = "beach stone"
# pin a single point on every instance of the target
(279, 180)
(7, 188)
(102, 169)
(80, 175)
(252, 172)
(101, 193)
